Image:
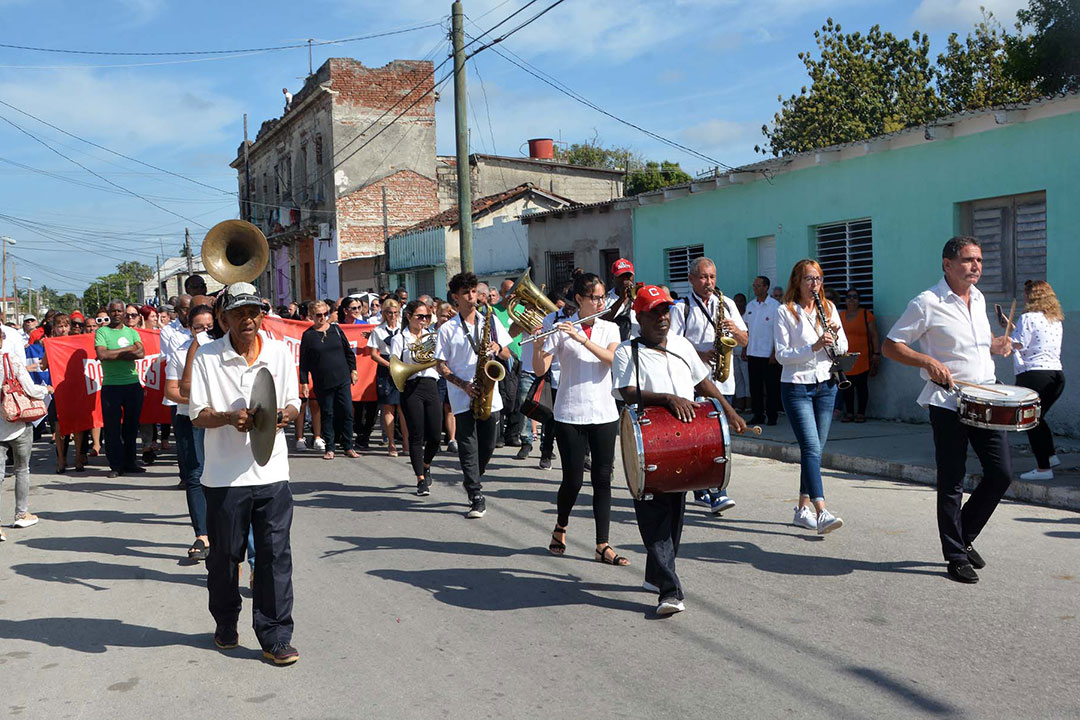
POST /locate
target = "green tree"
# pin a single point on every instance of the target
(124, 284)
(592, 153)
(861, 86)
(1049, 55)
(973, 73)
(653, 176)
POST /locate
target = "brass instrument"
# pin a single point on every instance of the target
(235, 251)
(723, 344)
(555, 329)
(422, 351)
(838, 360)
(488, 372)
(527, 305)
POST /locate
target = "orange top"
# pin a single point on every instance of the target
(858, 338)
(258, 349)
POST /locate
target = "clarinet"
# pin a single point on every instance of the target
(835, 371)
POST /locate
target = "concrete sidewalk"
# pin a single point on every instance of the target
(905, 451)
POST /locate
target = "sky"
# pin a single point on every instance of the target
(705, 74)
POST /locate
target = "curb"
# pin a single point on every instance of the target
(1055, 496)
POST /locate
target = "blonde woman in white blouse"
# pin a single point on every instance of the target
(1037, 361)
(806, 388)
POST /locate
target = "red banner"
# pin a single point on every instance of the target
(357, 335)
(76, 378)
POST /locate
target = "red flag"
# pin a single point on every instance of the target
(290, 331)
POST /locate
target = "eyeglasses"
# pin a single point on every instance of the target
(353, 308)
(423, 316)
(595, 298)
(812, 280)
(320, 315)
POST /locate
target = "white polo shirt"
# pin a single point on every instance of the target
(455, 349)
(952, 334)
(381, 337)
(526, 351)
(694, 319)
(399, 347)
(221, 379)
(795, 335)
(13, 343)
(661, 372)
(585, 381)
(760, 319)
(174, 339)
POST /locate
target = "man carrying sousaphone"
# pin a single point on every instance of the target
(240, 492)
(663, 369)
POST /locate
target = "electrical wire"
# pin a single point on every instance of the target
(528, 22)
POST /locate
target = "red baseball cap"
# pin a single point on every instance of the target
(621, 266)
(649, 297)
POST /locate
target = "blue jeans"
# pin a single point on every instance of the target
(190, 470)
(809, 409)
(524, 385)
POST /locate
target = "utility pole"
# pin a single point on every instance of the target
(15, 287)
(246, 214)
(187, 251)
(386, 239)
(461, 126)
(159, 292)
(4, 240)
(309, 69)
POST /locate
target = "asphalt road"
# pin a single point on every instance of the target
(404, 609)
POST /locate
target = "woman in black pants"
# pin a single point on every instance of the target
(420, 401)
(586, 418)
(329, 360)
(1037, 360)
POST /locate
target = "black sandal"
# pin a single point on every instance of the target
(555, 547)
(616, 558)
(199, 550)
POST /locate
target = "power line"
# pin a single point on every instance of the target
(528, 22)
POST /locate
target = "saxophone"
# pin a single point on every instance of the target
(488, 372)
(723, 345)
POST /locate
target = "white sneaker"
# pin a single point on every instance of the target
(827, 522)
(720, 503)
(669, 606)
(3, 537)
(320, 444)
(301, 445)
(1037, 474)
(25, 520)
(1054, 462)
(649, 587)
(805, 518)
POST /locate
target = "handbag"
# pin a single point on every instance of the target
(15, 404)
(537, 404)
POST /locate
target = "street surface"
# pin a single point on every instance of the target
(404, 609)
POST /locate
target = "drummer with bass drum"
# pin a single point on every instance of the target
(661, 369)
(950, 321)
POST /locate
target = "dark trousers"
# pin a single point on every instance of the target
(476, 443)
(1049, 384)
(508, 389)
(960, 523)
(365, 413)
(120, 408)
(190, 471)
(764, 387)
(267, 510)
(660, 522)
(336, 414)
(575, 442)
(859, 387)
(547, 433)
(423, 417)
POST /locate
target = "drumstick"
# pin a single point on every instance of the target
(977, 386)
(1009, 322)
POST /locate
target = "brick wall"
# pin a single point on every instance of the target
(377, 89)
(410, 198)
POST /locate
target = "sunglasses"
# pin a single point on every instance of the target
(422, 316)
(132, 315)
(101, 321)
(353, 308)
(320, 314)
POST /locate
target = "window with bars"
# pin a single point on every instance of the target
(678, 267)
(560, 269)
(425, 283)
(1012, 233)
(845, 252)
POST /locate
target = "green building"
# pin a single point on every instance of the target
(876, 213)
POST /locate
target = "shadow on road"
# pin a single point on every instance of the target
(96, 635)
(81, 573)
(106, 546)
(465, 549)
(114, 516)
(1064, 534)
(744, 553)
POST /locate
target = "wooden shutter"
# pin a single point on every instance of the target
(1030, 242)
(988, 227)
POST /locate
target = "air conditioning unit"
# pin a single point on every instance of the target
(324, 231)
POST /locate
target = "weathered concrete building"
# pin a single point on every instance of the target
(339, 172)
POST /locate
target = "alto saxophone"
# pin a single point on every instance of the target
(488, 372)
(723, 345)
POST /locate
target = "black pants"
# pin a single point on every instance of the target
(476, 443)
(365, 412)
(764, 387)
(423, 417)
(860, 387)
(512, 417)
(959, 526)
(267, 510)
(336, 413)
(120, 408)
(1049, 384)
(547, 433)
(660, 522)
(575, 441)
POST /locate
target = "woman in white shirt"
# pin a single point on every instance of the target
(17, 438)
(586, 417)
(806, 389)
(1037, 361)
(420, 401)
(389, 397)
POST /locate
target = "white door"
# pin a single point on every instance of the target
(766, 258)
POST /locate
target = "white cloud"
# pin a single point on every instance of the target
(950, 14)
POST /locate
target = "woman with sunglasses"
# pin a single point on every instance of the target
(329, 361)
(807, 390)
(861, 330)
(352, 311)
(420, 400)
(389, 397)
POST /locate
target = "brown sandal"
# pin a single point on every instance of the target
(613, 559)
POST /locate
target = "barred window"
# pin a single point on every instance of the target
(1012, 233)
(845, 252)
(678, 267)
(560, 267)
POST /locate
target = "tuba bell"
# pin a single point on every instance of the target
(527, 305)
(235, 251)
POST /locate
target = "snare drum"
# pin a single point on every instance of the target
(1004, 407)
(663, 454)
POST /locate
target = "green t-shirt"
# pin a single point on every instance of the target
(504, 318)
(117, 372)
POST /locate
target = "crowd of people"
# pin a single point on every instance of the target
(472, 363)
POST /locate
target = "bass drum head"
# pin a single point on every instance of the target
(632, 451)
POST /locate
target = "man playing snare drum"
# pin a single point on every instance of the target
(950, 321)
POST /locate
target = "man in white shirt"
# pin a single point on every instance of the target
(241, 494)
(460, 343)
(949, 320)
(671, 376)
(694, 318)
(761, 365)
